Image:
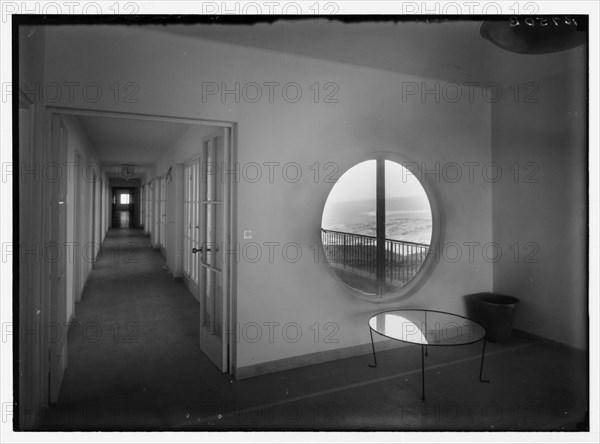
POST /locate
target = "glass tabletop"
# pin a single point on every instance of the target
(427, 327)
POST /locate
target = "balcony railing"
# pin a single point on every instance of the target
(357, 253)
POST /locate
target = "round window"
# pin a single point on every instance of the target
(377, 228)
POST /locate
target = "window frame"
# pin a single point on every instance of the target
(437, 227)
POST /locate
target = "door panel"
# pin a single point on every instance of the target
(156, 212)
(149, 228)
(142, 206)
(93, 219)
(191, 228)
(214, 238)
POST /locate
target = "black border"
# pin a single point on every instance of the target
(149, 19)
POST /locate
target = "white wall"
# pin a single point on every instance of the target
(545, 209)
(370, 115)
(35, 313)
(32, 388)
(83, 252)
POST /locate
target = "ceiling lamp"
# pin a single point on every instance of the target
(128, 171)
(536, 35)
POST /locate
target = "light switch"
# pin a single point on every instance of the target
(247, 234)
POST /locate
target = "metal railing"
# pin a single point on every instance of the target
(358, 253)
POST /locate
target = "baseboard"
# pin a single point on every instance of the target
(264, 368)
(550, 343)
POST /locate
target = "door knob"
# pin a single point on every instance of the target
(196, 250)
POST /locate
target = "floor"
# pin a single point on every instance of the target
(121, 219)
(134, 364)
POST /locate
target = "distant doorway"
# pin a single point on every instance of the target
(123, 207)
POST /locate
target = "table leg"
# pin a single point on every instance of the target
(423, 372)
(373, 347)
(481, 367)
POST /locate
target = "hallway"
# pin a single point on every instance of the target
(134, 342)
(134, 364)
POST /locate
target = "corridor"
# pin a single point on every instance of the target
(133, 345)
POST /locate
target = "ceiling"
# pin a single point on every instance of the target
(451, 50)
(120, 141)
(447, 50)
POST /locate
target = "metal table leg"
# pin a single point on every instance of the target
(423, 372)
(373, 347)
(481, 367)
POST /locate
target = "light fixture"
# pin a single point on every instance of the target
(128, 170)
(536, 34)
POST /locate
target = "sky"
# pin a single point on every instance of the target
(359, 182)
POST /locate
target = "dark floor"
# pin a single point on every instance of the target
(134, 364)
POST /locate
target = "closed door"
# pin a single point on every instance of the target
(148, 228)
(163, 214)
(93, 219)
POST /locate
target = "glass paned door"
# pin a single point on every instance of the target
(191, 221)
(214, 235)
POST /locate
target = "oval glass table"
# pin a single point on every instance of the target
(427, 328)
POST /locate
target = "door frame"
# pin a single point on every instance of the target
(77, 209)
(51, 111)
(162, 215)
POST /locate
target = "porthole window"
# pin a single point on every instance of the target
(377, 229)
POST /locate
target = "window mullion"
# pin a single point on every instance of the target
(380, 225)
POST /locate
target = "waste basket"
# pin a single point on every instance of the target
(496, 313)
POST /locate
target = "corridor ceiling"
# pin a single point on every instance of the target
(120, 141)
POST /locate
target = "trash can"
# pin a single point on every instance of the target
(496, 313)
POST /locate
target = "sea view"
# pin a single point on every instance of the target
(412, 223)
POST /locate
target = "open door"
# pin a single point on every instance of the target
(214, 264)
(191, 224)
(55, 331)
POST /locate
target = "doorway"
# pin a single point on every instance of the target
(123, 211)
(213, 207)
